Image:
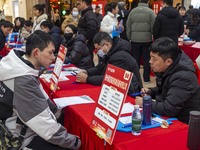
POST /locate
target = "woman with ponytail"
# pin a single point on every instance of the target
(39, 16)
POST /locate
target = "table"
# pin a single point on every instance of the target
(78, 117)
(192, 52)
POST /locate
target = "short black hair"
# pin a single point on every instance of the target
(168, 2)
(40, 7)
(102, 36)
(28, 23)
(144, 1)
(88, 2)
(166, 48)
(47, 24)
(6, 24)
(38, 39)
(97, 7)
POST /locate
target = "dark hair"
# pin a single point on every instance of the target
(177, 5)
(40, 7)
(28, 23)
(181, 7)
(88, 2)
(168, 2)
(38, 39)
(191, 7)
(109, 7)
(97, 7)
(165, 47)
(195, 14)
(47, 24)
(144, 1)
(6, 24)
(21, 20)
(73, 27)
(102, 36)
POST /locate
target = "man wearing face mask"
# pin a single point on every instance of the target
(78, 52)
(116, 52)
(73, 18)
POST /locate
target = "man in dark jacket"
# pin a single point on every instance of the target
(88, 25)
(55, 32)
(168, 22)
(123, 15)
(116, 52)
(177, 90)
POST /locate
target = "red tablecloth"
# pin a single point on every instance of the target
(78, 118)
(192, 52)
(4, 51)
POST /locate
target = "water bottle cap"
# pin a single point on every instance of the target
(136, 106)
(147, 97)
(195, 114)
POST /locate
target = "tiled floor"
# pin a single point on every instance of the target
(147, 85)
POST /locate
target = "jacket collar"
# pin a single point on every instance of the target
(40, 18)
(112, 15)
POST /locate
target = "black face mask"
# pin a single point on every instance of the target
(68, 36)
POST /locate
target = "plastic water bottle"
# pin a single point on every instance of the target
(146, 110)
(136, 121)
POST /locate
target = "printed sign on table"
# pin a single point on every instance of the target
(58, 68)
(113, 94)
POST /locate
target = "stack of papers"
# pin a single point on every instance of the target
(73, 100)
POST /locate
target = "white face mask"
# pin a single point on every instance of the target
(100, 53)
(74, 13)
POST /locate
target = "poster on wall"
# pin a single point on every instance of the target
(112, 96)
(101, 4)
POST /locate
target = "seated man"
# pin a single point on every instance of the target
(116, 52)
(23, 99)
(55, 33)
(176, 93)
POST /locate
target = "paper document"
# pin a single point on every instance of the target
(198, 61)
(48, 76)
(127, 108)
(73, 100)
(196, 45)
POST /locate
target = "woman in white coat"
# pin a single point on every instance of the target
(110, 23)
(39, 16)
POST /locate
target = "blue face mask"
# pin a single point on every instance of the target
(100, 53)
(75, 13)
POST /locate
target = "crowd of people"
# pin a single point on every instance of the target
(122, 38)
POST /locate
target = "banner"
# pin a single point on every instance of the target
(113, 94)
(58, 68)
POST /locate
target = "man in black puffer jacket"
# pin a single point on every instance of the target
(88, 24)
(168, 22)
(177, 91)
(116, 52)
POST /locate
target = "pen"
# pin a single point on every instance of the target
(127, 125)
(136, 94)
(74, 72)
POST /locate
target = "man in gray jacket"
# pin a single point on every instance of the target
(139, 29)
(23, 100)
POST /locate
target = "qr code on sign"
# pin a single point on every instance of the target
(109, 133)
